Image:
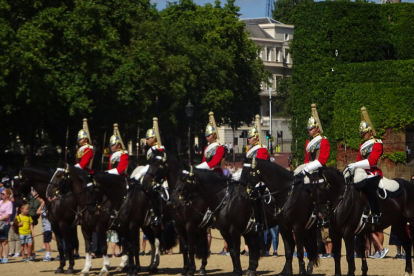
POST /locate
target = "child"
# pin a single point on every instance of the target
(25, 224)
(47, 229)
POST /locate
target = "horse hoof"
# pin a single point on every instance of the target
(202, 272)
(104, 273)
(70, 271)
(246, 272)
(59, 271)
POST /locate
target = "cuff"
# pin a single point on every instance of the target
(313, 165)
(78, 166)
(364, 164)
(113, 171)
(204, 166)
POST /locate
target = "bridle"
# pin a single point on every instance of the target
(325, 202)
(59, 184)
(161, 171)
(184, 195)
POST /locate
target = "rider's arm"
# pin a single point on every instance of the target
(375, 154)
(218, 156)
(123, 163)
(262, 153)
(86, 158)
(324, 152)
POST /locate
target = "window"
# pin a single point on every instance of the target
(269, 54)
(277, 54)
(286, 37)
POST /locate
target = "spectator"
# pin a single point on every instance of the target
(112, 240)
(144, 244)
(6, 210)
(412, 179)
(327, 242)
(394, 240)
(275, 239)
(224, 251)
(14, 237)
(231, 148)
(47, 229)
(377, 239)
(25, 224)
(290, 162)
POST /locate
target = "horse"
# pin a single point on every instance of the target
(231, 209)
(61, 220)
(293, 210)
(343, 206)
(188, 213)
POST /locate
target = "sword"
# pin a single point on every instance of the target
(66, 146)
(138, 146)
(346, 157)
(103, 151)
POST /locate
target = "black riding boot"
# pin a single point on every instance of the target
(369, 186)
(256, 198)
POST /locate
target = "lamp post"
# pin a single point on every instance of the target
(189, 111)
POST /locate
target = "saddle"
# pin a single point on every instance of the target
(387, 187)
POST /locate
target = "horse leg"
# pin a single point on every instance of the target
(101, 232)
(191, 250)
(299, 249)
(59, 241)
(350, 258)
(155, 249)
(184, 251)
(289, 245)
(202, 248)
(69, 242)
(252, 240)
(87, 235)
(336, 250)
(311, 245)
(233, 246)
(135, 250)
(401, 232)
(361, 252)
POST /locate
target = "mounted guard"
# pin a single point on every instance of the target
(255, 140)
(118, 160)
(316, 149)
(214, 153)
(367, 174)
(153, 140)
(85, 153)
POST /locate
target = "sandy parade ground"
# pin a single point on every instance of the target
(217, 264)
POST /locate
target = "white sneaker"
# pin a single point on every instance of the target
(46, 259)
(16, 255)
(376, 255)
(383, 253)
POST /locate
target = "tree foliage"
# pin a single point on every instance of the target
(284, 10)
(108, 61)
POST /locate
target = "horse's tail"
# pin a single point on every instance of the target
(169, 238)
(312, 245)
(201, 249)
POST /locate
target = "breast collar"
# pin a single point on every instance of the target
(314, 143)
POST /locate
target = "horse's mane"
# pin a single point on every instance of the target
(332, 170)
(37, 171)
(276, 168)
(210, 176)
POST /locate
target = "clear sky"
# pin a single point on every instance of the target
(248, 8)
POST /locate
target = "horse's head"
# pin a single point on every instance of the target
(59, 182)
(250, 174)
(320, 190)
(184, 188)
(158, 169)
(21, 188)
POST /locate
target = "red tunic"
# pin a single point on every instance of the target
(323, 152)
(215, 160)
(373, 157)
(84, 156)
(120, 162)
(259, 153)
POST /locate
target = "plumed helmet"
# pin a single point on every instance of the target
(84, 132)
(314, 121)
(253, 132)
(365, 124)
(150, 133)
(116, 138)
(211, 128)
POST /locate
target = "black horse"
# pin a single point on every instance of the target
(231, 209)
(343, 206)
(293, 210)
(188, 213)
(60, 218)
